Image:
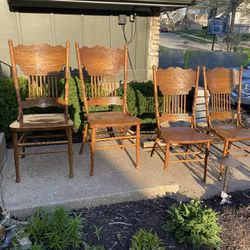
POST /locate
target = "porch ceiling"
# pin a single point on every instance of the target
(140, 7)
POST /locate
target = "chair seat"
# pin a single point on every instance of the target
(42, 121)
(112, 119)
(233, 133)
(183, 135)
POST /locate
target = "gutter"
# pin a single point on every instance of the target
(150, 4)
(96, 6)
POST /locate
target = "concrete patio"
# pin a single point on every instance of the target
(45, 182)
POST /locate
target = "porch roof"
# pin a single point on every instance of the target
(141, 7)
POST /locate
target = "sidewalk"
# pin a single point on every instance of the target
(245, 44)
(45, 182)
(174, 40)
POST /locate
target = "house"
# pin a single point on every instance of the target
(197, 16)
(88, 22)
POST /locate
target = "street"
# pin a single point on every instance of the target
(176, 41)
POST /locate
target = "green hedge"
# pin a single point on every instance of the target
(8, 103)
(140, 102)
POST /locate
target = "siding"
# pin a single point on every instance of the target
(88, 30)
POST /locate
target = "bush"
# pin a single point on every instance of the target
(76, 107)
(9, 108)
(194, 224)
(144, 240)
(56, 230)
(246, 51)
(8, 103)
(140, 99)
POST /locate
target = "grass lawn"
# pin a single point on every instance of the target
(198, 33)
(202, 34)
(246, 37)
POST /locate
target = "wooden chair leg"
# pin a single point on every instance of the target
(137, 146)
(16, 155)
(70, 153)
(167, 154)
(224, 154)
(92, 150)
(121, 141)
(153, 149)
(206, 161)
(23, 148)
(84, 138)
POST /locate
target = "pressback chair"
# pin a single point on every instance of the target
(41, 64)
(174, 84)
(223, 121)
(103, 66)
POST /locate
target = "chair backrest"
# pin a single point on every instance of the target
(219, 83)
(41, 64)
(174, 84)
(103, 66)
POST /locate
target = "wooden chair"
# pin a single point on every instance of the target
(103, 66)
(175, 84)
(223, 121)
(41, 64)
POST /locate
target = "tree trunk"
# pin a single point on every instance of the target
(234, 4)
(231, 29)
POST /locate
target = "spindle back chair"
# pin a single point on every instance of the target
(103, 66)
(219, 83)
(42, 65)
(174, 85)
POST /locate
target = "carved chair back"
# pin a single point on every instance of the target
(41, 64)
(103, 66)
(174, 84)
(218, 85)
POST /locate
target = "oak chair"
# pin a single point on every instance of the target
(173, 85)
(41, 64)
(223, 121)
(103, 66)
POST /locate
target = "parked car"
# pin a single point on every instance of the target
(245, 94)
(163, 29)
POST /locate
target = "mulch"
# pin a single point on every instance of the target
(114, 225)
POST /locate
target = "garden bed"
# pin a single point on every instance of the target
(114, 225)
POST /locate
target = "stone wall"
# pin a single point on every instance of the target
(153, 44)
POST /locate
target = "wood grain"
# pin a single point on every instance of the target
(103, 66)
(175, 84)
(41, 65)
(218, 84)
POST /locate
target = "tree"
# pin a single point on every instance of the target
(226, 9)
